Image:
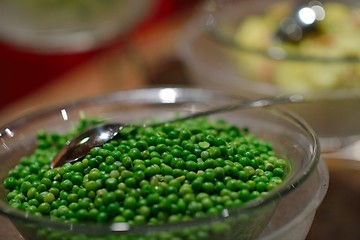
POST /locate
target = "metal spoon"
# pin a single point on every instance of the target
(81, 145)
(302, 21)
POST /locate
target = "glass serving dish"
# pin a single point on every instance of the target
(68, 26)
(231, 46)
(287, 211)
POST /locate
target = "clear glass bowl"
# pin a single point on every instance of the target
(288, 210)
(258, 67)
(68, 26)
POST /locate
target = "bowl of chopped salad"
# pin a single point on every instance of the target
(233, 45)
(68, 26)
(242, 174)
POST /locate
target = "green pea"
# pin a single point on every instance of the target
(113, 209)
(206, 203)
(127, 161)
(126, 174)
(130, 203)
(41, 188)
(109, 146)
(31, 193)
(72, 197)
(102, 166)
(251, 185)
(209, 176)
(44, 208)
(205, 155)
(66, 185)
(78, 167)
(184, 134)
(191, 157)
(94, 174)
(152, 198)
(81, 214)
(73, 206)
(144, 211)
(111, 183)
(77, 179)
(91, 186)
(171, 189)
(261, 186)
(232, 185)
(191, 176)
(134, 153)
(209, 163)
(152, 170)
(194, 207)
(161, 148)
(176, 152)
(165, 169)
(175, 183)
(34, 202)
(271, 186)
(254, 194)
(32, 209)
(155, 161)
(84, 203)
(279, 172)
(208, 187)
(141, 145)
(197, 184)
(49, 197)
(139, 219)
(25, 186)
(130, 182)
(93, 213)
(102, 217)
(10, 183)
(128, 214)
(280, 163)
(119, 218)
(200, 164)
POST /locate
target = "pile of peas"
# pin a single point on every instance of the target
(168, 173)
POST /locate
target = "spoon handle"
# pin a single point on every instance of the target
(248, 103)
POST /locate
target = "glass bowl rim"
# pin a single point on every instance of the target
(214, 28)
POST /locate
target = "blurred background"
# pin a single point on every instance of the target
(148, 49)
(29, 66)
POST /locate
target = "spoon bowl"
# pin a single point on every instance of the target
(81, 145)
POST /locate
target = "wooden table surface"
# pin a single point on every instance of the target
(150, 59)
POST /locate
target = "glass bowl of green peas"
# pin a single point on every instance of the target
(244, 174)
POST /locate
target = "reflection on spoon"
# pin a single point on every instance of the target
(81, 145)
